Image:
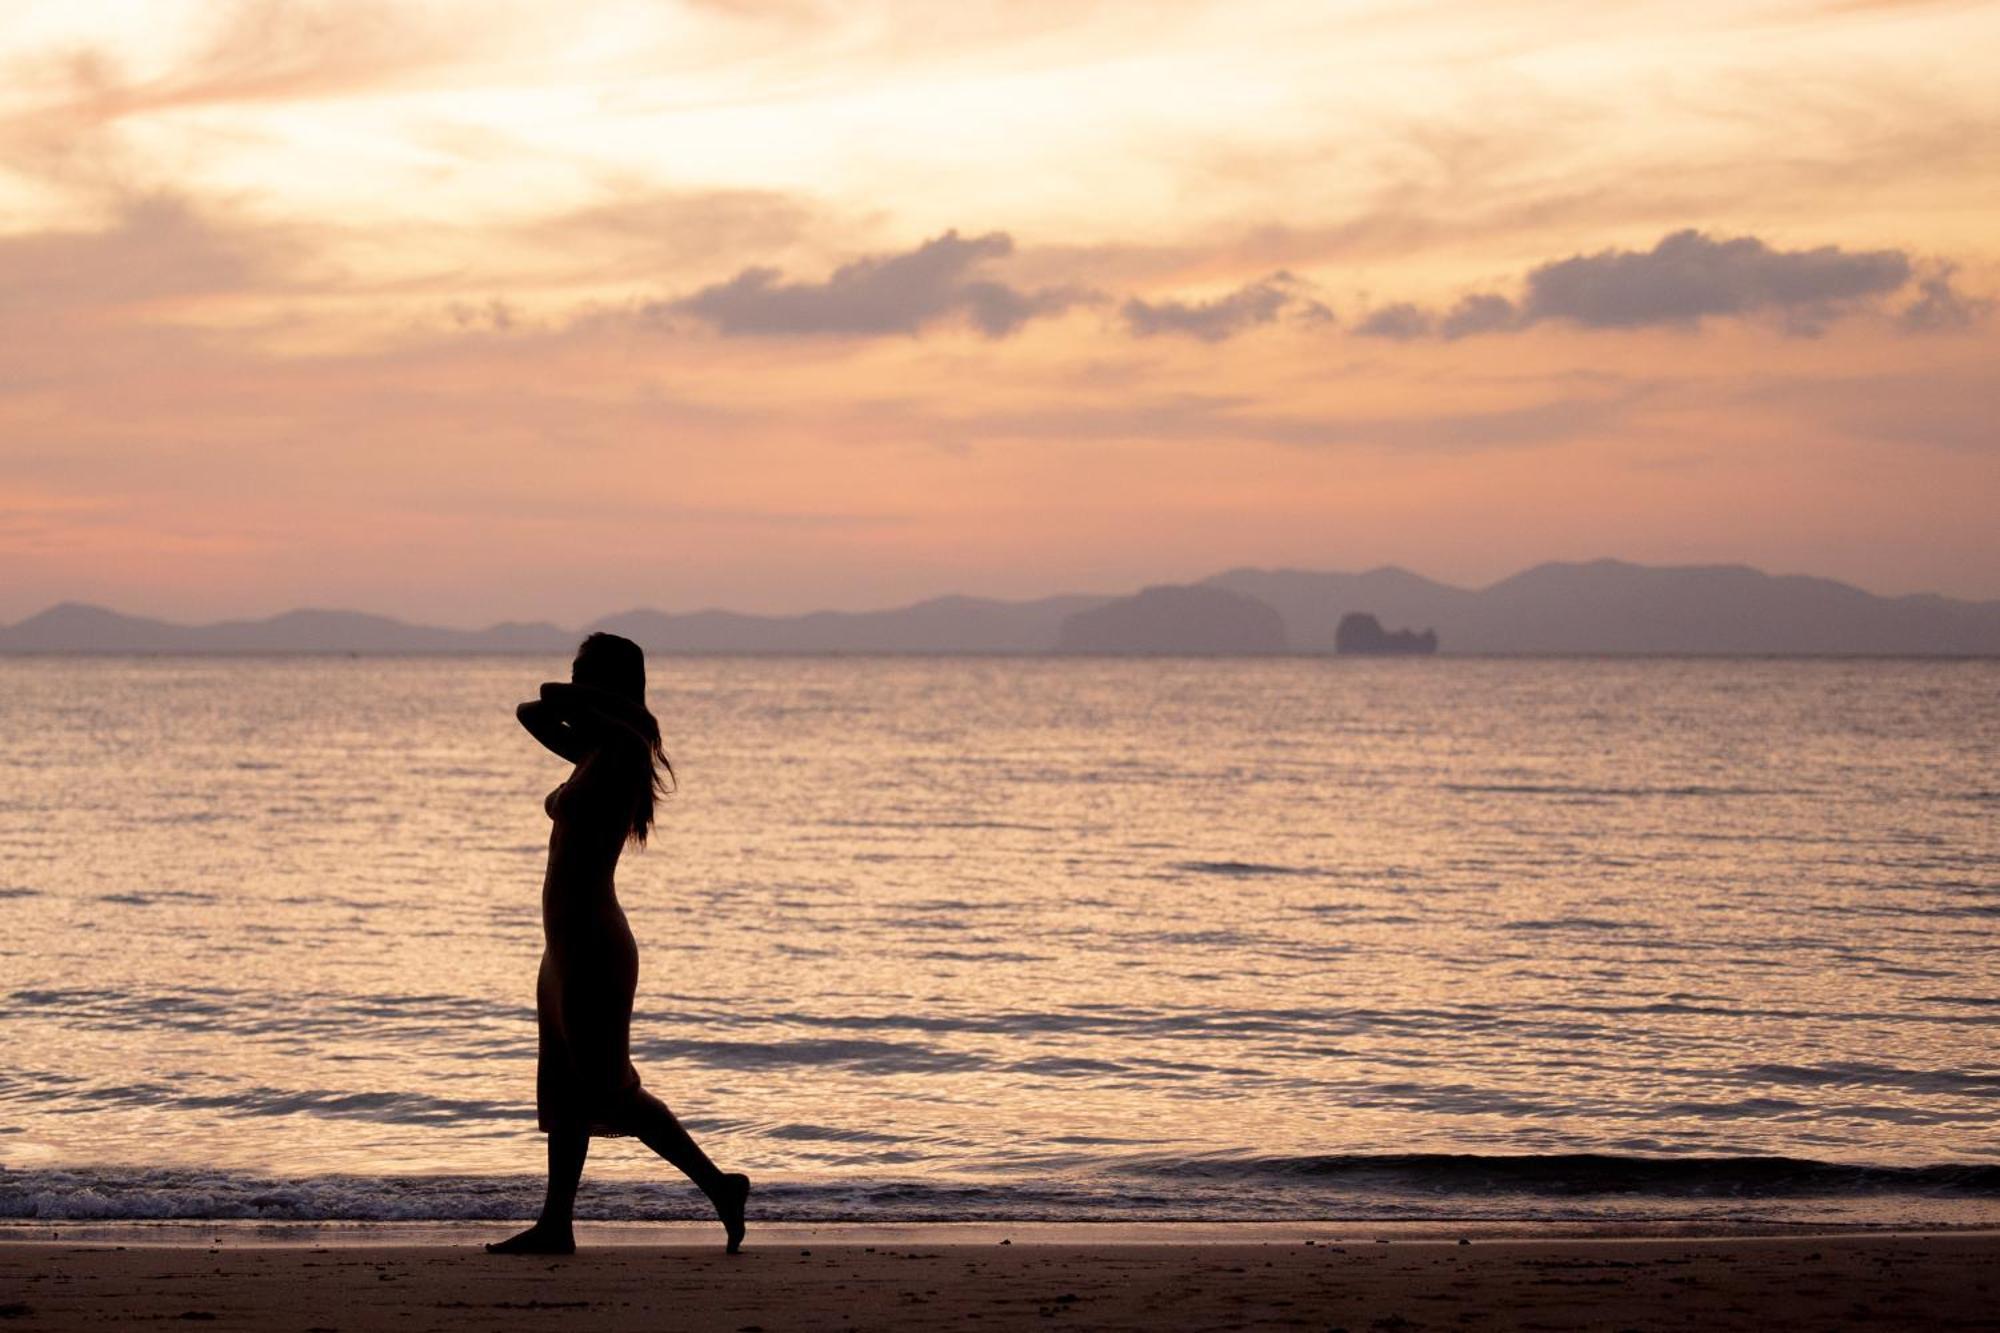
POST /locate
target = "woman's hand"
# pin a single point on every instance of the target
(546, 724)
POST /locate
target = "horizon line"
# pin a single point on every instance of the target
(716, 609)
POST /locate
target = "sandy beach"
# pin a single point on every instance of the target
(1937, 1281)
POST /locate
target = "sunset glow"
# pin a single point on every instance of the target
(468, 312)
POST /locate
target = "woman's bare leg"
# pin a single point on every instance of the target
(553, 1232)
(660, 1130)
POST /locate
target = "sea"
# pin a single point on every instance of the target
(1023, 939)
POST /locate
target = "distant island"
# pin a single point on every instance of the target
(1361, 634)
(1175, 621)
(1596, 607)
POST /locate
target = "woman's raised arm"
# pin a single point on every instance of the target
(546, 723)
(575, 720)
(590, 711)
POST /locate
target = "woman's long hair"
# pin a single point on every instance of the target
(618, 666)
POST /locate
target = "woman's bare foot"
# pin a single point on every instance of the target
(729, 1198)
(541, 1238)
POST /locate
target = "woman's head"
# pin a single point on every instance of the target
(613, 664)
(617, 666)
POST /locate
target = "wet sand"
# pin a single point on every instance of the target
(1935, 1281)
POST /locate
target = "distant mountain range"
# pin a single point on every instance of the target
(1603, 606)
(1610, 606)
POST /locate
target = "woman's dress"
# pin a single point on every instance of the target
(584, 1077)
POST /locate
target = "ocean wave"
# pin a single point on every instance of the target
(864, 1055)
(172, 1194)
(1599, 1173)
(1239, 869)
(1855, 1073)
(1213, 1188)
(1589, 792)
(1575, 923)
(381, 1107)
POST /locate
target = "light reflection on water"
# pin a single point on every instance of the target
(999, 920)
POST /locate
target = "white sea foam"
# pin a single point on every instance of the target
(1209, 1189)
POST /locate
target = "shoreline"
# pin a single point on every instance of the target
(1925, 1279)
(236, 1233)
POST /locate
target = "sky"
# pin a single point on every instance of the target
(513, 310)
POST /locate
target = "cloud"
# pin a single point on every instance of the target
(1400, 320)
(156, 246)
(1403, 321)
(880, 294)
(267, 51)
(1689, 276)
(1686, 278)
(68, 111)
(1479, 314)
(494, 316)
(1939, 307)
(1254, 303)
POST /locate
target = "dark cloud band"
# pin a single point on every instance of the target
(1686, 278)
(880, 294)
(1255, 303)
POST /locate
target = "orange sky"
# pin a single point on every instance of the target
(512, 309)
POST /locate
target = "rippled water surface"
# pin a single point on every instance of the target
(960, 937)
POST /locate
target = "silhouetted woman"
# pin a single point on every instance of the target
(584, 1080)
